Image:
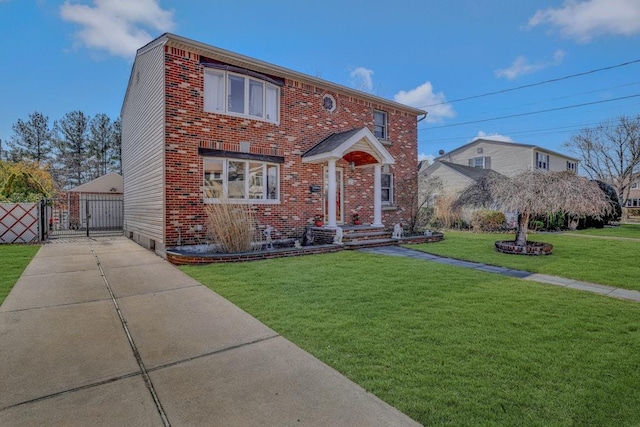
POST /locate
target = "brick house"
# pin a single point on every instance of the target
(201, 125)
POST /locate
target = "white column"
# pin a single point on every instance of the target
(377, 195)
(331, 195)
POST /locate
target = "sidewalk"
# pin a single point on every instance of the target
(542, 278)
(104, 332)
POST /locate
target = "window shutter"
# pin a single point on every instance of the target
(471, 162)
(487, 162)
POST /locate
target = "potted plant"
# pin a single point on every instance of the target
(317, 220)
(356, 219)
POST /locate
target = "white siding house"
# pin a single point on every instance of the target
(143, 149)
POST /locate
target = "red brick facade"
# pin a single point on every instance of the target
(303, 124)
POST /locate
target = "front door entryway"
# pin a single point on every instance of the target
(339, 194)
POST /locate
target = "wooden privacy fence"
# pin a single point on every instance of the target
(20, 222)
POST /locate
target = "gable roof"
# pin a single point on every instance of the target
(239, 60)
(338, 145)
(509, 144)
(110, 183)
(467, 171)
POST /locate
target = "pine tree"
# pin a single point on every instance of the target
(32, 139)
(72, 144)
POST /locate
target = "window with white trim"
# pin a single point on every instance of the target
(635, 185)
(542, 161)
(386, 188)
(571, 166)
(380, 124)
(481, 162)
(239, 95)
(241, 180)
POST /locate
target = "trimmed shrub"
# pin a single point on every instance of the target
(488, 221)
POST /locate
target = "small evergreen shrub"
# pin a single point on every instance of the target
(488, 221)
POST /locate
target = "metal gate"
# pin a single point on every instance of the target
(84, 214)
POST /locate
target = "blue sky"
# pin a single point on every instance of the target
(60, 56)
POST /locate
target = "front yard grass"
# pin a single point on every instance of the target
(623, 230)
(13, 260)
(607, 262)
(448, 345)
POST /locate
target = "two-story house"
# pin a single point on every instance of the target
(203, 125)
(507, 158)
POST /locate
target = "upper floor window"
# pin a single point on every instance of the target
(240, 180)
(386, 181)
(239, 95)
(380, 124)
(635, 185)
(542, 161)
(481, 162)
(571, 166)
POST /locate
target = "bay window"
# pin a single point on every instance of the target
(240, 180)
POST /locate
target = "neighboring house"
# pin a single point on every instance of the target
(509, 158)
(202, 125)
(633, 201)
(454, 177)
(456, 168)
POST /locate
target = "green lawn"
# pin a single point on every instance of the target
(624, 230)
(448, 345)
(13, 260)
(608, 262)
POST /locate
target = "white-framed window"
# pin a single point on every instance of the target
(635, 185)
(632, 203)
(239, 95)
(542, 161)
(380, 124)
(571, 166)
(386, 188)
(241, 181)
(481, 162)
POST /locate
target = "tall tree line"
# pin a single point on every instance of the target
(77, 148)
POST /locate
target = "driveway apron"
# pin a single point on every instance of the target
(103, 332)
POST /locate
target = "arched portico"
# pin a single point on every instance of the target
(360, 148)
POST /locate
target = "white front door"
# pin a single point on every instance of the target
(339, 194)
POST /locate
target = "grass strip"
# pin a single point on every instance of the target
(14, 259)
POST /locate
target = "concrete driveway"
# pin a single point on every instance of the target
(103, 332)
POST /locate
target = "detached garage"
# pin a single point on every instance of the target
(98, 204)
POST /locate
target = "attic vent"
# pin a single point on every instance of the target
(479, 150)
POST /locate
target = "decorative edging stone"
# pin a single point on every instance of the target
(414, 240)
(176, 257)
(532, 248)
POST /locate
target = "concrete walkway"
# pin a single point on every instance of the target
(104, 332)
(542, 278)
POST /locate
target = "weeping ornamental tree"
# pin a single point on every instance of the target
(537, 192)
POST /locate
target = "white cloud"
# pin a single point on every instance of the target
(424, 156)
(361, 79)
(117, 26)
(492, 137)
(522, 66)
(423, 97)
(583, 20)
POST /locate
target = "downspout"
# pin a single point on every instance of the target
(424, 116)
